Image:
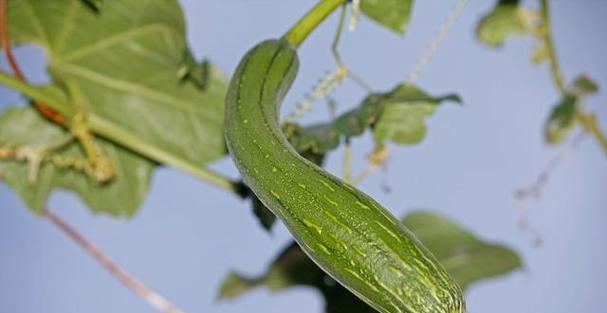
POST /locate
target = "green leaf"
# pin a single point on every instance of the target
(391, 14)
(584, 86)
(94, 4)
(291, 267)
(561, 120)
(265, 217)
(505, 20)
(24, 127)
(128, 69)
(195, 72)
(235, 285)
(124, 73)
(563, 117)
(318, 138)
(397, 115)
(465, 257)
(405, 110)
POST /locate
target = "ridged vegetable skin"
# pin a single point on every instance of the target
(348, 234)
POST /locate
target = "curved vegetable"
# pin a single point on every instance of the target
(348, 234)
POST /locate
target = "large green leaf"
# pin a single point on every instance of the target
(126, 66)
(23, 128)
(94, 4)
(125, 59)
(392, 14)
(465, 257)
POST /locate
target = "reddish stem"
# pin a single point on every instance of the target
(154, 299)
(12, 64)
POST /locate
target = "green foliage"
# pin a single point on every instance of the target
(462, 254)
(125, 71)
(564, 116)
(34, 182)
(196, 72)
(398, 115)
(391, 14)
(405, 110)
(561, 120)
(584, 86)
(94, 4)
(265, 217)
(505, 20)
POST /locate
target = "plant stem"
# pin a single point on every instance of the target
(302, 28)
(590, 125)
(587, 119)
(337, 38)
(337, 56)
(115, 133)
(36, 93)
(552, 59)
(152, 298)
(347, 161)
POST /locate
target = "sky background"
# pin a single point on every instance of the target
(188, 235)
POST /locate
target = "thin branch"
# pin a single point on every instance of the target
(152, 298)
(591, 126)
(587, 119)
(552, 59)
(347, 166)
(12, 64)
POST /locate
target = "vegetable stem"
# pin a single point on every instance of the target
(302, 28)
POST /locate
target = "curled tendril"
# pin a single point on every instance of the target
(323, 88)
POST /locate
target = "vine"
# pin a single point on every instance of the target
(157, 77)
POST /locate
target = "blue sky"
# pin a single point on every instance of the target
(188, 234)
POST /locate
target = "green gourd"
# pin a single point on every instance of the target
(348, 234)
